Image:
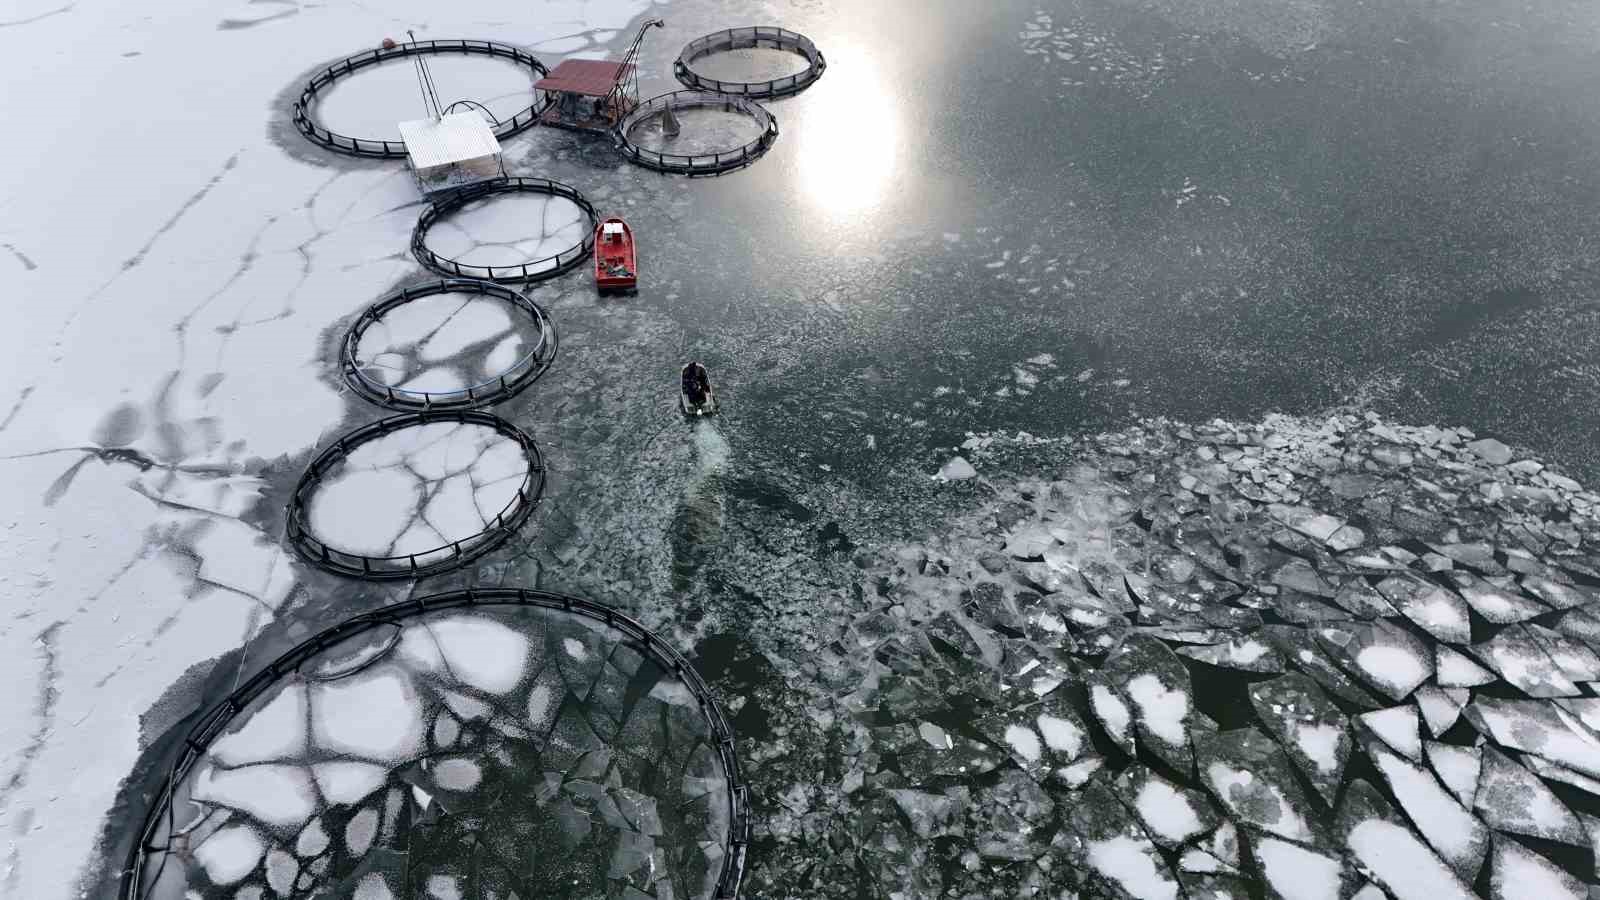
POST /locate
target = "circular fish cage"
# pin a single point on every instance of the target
(476, 743)
(703, 163)
(537, 269)
(363, 475)
(499, 378)
(303, 111)
(752, 37)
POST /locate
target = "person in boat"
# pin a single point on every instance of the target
(696, 383)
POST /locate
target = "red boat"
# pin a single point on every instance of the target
(615, 268)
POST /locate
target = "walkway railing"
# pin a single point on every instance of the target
(533, 270)
(303, 110)
(502, 386)
(713, 163)
(746, 38)
(449, 556)
(216, 719)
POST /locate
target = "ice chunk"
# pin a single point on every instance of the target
(1157, 683)
(504, 355)
(476, 321)
(1245, 652)
(1296, 873)
(1163, 710)
(1134, 866)
(1171, 814)
(482, 652)
(1386, 656)
(1573, 658)
(374, 714)
(444, 887)
(1403, 864)
(1370, 891)
(1200, 861)
(364, 511)
(1556, 594)
(1079, 773)
(313, 839)
(277, 795)
(457, 774)
(360, 831)
(1510, 798)
(1521, 874)
(348, 782)
(928, 814)
(1397, 727)
(275, 731)
(1113, 715)
(354, 653)
(1491, 451)
(1499, 606)
(632, 852)
(1518, 657)
(1360, 599)
(1309, 522)
(1063, 736)
(1540, 727)
(957, 469)
(1454, 669)
(372, 887)
(1024, 742)
(1437, 611)
(281, 871)
(1308, 725)
(1457, 767)
(1587, 709)
(1440, 708)
(672, 692)
(1247, 772)
(231, 853)
(1549, 771)
(1224, 843)
(1298, 648)
(1453, 831)
(446, 729)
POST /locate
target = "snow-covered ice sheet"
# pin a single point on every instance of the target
(195, 279)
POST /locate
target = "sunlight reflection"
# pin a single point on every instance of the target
(850, 145)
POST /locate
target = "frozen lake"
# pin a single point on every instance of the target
(1156, 455)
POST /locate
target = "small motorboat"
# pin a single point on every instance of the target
(696, 398)
(615, 267)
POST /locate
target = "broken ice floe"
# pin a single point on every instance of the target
(460, 742)
(1214, 626)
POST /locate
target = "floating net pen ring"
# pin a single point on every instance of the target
(502, 385)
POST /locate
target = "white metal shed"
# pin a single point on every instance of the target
(451, 151)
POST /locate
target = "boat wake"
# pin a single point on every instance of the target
(697, 522)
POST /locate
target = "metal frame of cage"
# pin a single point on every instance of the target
(216, 719)
(430, 562)
(697, 163)
(744, 38)
(504, 386)
(532, 270)
(301, 113)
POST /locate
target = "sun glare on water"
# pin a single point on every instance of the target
(850, 146)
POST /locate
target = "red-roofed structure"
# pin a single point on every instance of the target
(591, 94)
(585, 77)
